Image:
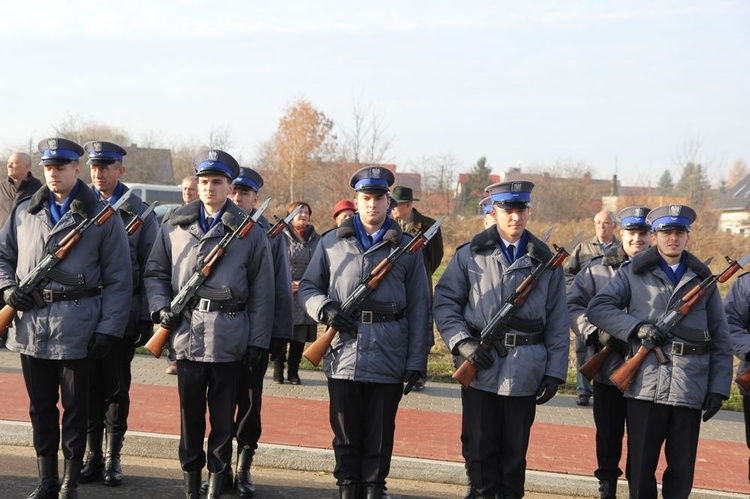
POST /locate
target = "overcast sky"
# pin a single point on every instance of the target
(531, 81)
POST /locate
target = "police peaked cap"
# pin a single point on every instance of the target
(671, 217)
(58, 151)
(372, 178)
(486, 205)
(217, 162)
(102, 152)
(512, 194)
(249, 179)
(634, 218)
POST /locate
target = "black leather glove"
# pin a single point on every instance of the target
(711, 405)
(592, 338)
(333, 316)
(99, 346)
(278, 346)
(472, 351)
(17, 299)
(547, 389)
(411, 378)
(168, 319)
(652, 334)
(613, 343)
(253, 356)
(145, 332)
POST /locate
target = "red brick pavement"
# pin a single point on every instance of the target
(423, 434)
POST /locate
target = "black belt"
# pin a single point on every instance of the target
(679, 348)
(50, 296)
(515, 340)
(370, 317)
(206, 305)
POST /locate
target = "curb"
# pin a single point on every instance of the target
(160, 446)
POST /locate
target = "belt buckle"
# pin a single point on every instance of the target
(366, 317)
(47, 295)
(204, 305)
(510, 339)
(678, 348)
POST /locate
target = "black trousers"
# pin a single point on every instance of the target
(363, 419)
(249, 400)
(610, 409)
(43, 379)
(651, 425)
(109, 395)
(746, 408)
(215, 383)
(495, 436)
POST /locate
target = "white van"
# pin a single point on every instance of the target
(165, 194)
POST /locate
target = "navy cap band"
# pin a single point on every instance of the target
(634, 223)
(375, 183)
(668, 223)
(104, 156)
(511, 197)
(246, 182)
(62, 154)
(214, 167)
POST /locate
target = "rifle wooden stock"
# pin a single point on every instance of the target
(743, 380)
(6, 317)
(158, 341)
(315, 352)
(592, 366)
(466, 371)
(624, 374)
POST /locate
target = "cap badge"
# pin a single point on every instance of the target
(51, 143)
(375, 172)
(674, 210)
(516, 187)
(97, 147)
(638, 213)
(213, 155)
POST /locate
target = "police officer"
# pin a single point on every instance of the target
(488, 212)
(609, 406)
(737, 308)
(109, 399)
(230, 322)
(664, 401)
(84, 308)
(500, 405)
(385, 345)
(248, 423)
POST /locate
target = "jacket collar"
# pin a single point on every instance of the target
(614, 256)
(487, 240)
(188, 214)
(648, 260)
(85, 203)
(392, 236)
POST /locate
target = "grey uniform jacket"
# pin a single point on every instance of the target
(245, 271)
(582, 254)
(61, 330)
(472, 290)
(300, 255)
(283, 323)
(643, 289)
(381, 352)
(140, 243)
(737, 308)
(589, 281)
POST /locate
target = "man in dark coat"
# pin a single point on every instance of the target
(20, 183)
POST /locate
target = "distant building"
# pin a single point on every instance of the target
(735, 208)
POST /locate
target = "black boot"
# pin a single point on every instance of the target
(218, 483)
(375, 492)
(49, 485)
(225, 485)
(243, 482)
(112, 466)
(295, 356)
(608, 489)
(349, 491)
(93, 464)
(192, 484)
(69, 486)
(278, 372)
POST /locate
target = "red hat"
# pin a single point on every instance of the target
(342, 205)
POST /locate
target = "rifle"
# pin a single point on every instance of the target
(185, 299)
(743, 380)
(595, 363)
(314, 353)
(39, 273)
(624, 374)
(137, 220)
(490, 335)
(283, 223)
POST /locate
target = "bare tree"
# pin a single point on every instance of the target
(366, 141)
(220, 138)
(737, 172)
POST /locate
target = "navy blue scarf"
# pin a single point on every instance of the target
(519, 248)
(57, 212)
(119, 189)
(681, 269)
(368, 241)
(216, 218)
